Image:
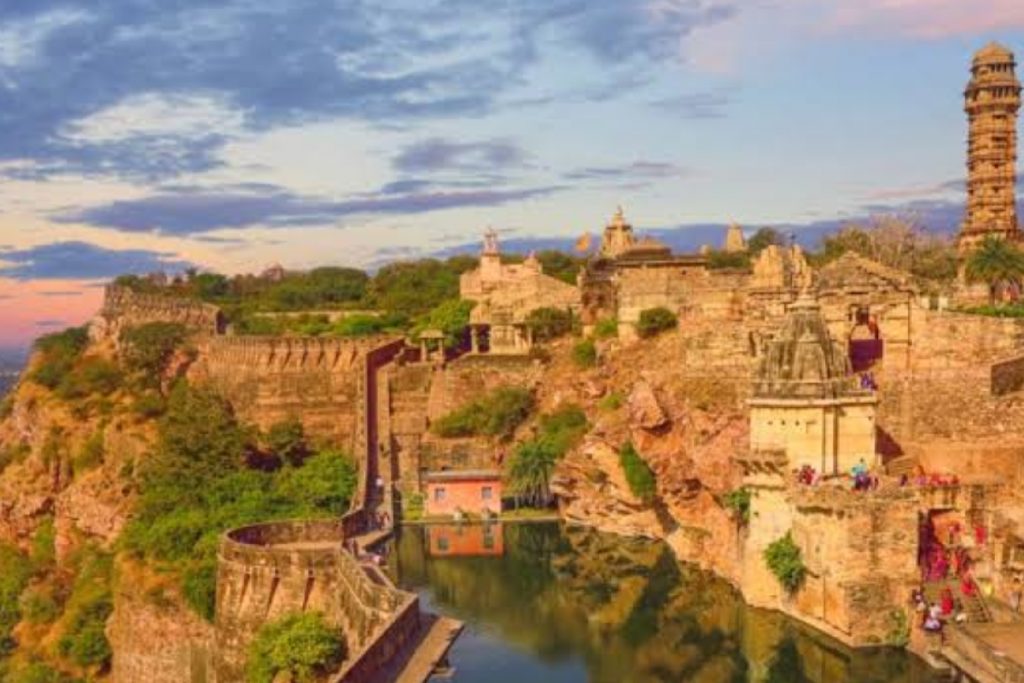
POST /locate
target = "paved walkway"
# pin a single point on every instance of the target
(429, 651)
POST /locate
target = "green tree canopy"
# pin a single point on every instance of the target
(995, 262)
(300, 645)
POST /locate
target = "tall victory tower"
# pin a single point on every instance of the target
(992, 100)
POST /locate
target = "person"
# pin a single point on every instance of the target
(932, 622)
(967, 586)
(946, 602)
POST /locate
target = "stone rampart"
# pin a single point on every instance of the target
(266, 571)
(123, 307)
(272, 379)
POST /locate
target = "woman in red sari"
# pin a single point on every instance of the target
(946, 602)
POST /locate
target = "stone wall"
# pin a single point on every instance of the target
(124, 308)
(272, 379)
(266, 571)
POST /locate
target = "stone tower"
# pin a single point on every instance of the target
(991, 100)
(618, 236)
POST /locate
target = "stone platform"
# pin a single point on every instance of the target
(987, 653)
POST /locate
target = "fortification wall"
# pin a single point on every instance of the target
(471, 377)
(124, 308)
(272, 379)
(859, 549)
(266, 571)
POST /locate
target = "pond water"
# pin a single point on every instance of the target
(546, 603)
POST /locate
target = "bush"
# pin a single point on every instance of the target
(606, 328)
(15, 572)
(147, 349)
(738, 501)
(549, 323)
(90, 377)
(612, 401)
(84, 640)
(199, 586)
(300, 645)
(13, 454)
(785, 561)
(450, 317)
(562, 429)
(639, 475)
(36, 672)
(654, 321)
(44, 552)
(149, 405)
(59, 353)
(719, 260)
(39, 605)
(584, 353)
(497, 414)
(91, 454)
(287, 441)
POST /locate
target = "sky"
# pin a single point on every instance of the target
(138, 135)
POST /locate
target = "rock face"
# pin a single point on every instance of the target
(592, 491)
(644, 409)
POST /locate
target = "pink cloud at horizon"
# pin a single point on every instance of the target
(31, 309)
(929, 18)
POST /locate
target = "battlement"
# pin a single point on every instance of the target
(289, 353)
(125, 307)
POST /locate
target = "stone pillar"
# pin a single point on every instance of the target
(474, 337)
(424, 355)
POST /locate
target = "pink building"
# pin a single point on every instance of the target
(472, 492)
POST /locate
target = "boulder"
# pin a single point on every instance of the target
(644, 409)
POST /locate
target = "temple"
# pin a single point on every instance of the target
(991, 100)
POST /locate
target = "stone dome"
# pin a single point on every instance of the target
(993, 53)
(803, 361)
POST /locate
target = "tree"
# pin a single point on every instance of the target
(413, 287)
(548, 323)
(148, 348)
(995, 262)
(301, 646)
(529, 472)
(559, 265)
(763, 238)
(287, 440)
(451, 317)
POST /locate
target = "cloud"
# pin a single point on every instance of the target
(61, 294)
(73, 72)
(696, 106)
(929, 18)
(189, 211)
(51, 323)
(438, 154)
(638, 170)
(82, 261)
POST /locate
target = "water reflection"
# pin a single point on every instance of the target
(572, 605)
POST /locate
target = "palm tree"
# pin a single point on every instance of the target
(529, 474)
(995, 262)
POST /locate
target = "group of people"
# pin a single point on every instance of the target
(932, 480)
(867, 381)
(863, 479)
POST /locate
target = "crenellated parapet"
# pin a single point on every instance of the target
(284, 354)
(124, 307)
(266, 571)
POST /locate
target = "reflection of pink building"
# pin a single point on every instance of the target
(454, 540)
(471, 492)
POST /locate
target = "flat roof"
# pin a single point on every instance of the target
(463, 475)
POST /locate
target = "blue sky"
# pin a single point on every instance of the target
(230, 135)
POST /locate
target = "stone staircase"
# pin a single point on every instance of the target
(903, 465)
(977, 610)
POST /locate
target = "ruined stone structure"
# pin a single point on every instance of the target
(991, 100)
(735, 242)
(505, 294)
(123, 308)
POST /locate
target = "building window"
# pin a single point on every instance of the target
(487, 493)
(439, 494)
(442, 544)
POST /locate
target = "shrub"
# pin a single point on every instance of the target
(606, 328)
(549, 323)
(529, 472)
(15, 572)
(497, 414)
(639, 474)
(59, 352)
(584, 353)
(612, 401)
(84, 640)
(300, 645)
(147, 349)
(149, 405)
(199, 586)
(718, 260)
(562, 429)
(37, 672)
(785, 561)
(39, 605)
(90, 377)
(654, 321)
(738, 501)
(451, 317)
(287, 440)
(44, 553)
(91, 454)
(13, 454)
